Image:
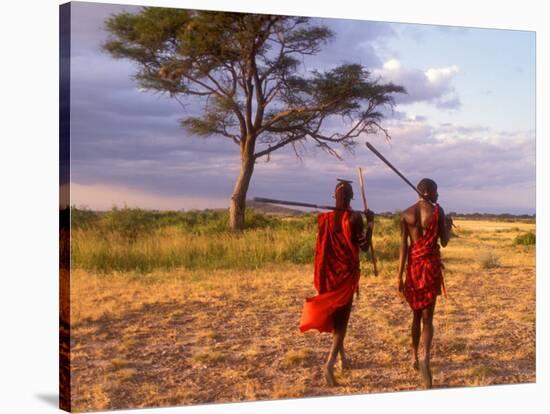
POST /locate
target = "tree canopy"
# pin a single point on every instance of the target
(245, 70)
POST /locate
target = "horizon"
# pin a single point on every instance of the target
(304, 210)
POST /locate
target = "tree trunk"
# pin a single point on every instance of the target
(237, 205)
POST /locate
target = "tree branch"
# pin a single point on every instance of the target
(280, 144)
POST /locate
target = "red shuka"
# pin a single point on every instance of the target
(424, 278)
(336, 273)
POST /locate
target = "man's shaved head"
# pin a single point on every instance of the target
(428, 187)
(343, 193)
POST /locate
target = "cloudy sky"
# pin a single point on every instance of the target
(468, 121)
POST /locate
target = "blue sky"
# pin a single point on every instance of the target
(495, 66)
(468, 121)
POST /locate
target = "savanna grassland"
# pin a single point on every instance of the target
(167, 308)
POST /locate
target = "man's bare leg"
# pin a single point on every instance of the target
(340, 317)
(331, 360)
(415, 335)
(427, 336)
(344, 361)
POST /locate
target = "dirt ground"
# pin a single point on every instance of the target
(182, 337)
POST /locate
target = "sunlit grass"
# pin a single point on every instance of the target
(200, 240)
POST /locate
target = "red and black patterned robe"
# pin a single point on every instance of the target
(423, 273)
(336, 276)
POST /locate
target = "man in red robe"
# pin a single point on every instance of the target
(423, 225)
(336, 277)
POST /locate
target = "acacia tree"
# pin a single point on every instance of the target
(244, 68)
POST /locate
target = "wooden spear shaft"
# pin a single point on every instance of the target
(363, 195)
(395, 170)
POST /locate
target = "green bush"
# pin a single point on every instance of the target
(82, 218)
(134, 222)
(128, 222)
(526, 239)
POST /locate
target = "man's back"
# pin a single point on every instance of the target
(417, 219)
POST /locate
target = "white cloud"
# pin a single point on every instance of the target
(392, 65)
(441, 75)
(433, 85)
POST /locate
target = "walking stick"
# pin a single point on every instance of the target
(366, 217)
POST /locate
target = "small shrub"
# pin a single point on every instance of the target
(526, 239)
(490, 261)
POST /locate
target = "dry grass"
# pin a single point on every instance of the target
(196, 336)
(296, 357)
(208, 358)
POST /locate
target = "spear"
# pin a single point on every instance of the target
(395, 170)
(296, 203)
(366, 217)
